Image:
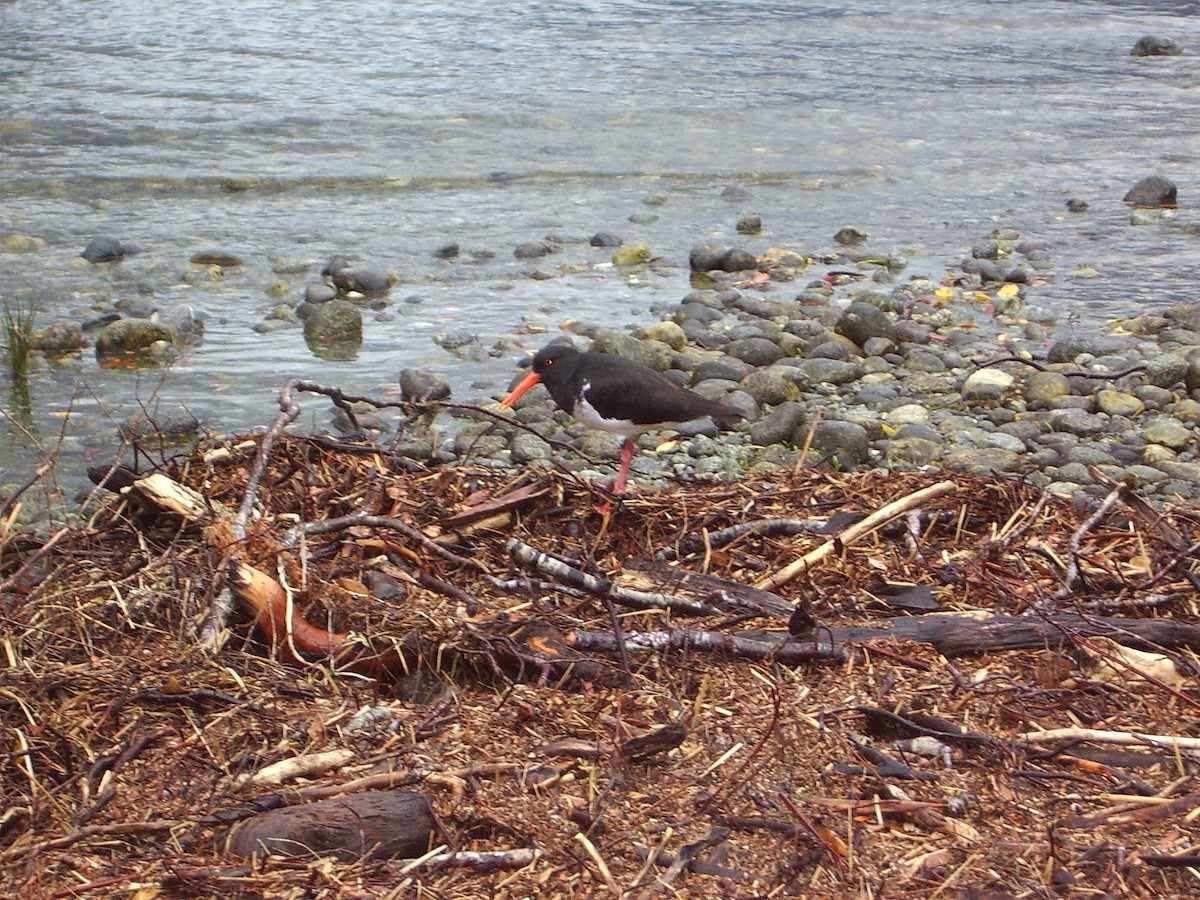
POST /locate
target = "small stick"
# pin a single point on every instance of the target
(594, 855)
(1076, 542)
(214, 631)
(786, 653)
(855, 532)
(1007, 540)
(289, 409)
(693, 543)
(1100, 376)
(361, 518)
(527, 556)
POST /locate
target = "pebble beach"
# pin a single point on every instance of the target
(867, 367)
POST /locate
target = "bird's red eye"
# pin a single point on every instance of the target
(549, 363)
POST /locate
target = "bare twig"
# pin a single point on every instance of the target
(694, 543)
(785, 652)
(213, 631)
(527, 556)
(1189, 746)
(1034, 364)
(1076, 542)
(288, 411)
(855, 532)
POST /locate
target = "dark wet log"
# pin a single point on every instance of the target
(958, 634)
(373, 825)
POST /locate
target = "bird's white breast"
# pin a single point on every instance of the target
(587, 414)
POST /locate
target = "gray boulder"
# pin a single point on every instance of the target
(131, 336)
(336, 322)
(1152, 192)
(1154, 45)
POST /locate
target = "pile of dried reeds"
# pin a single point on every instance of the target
(514, 686)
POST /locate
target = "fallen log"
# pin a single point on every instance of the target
(961, 634)
(372, 825)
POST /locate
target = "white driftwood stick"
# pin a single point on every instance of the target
(1188, 745)
(856, 531)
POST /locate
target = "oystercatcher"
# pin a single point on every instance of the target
(615, 394)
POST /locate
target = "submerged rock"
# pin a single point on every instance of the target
(59, 339)
(1153, 191)
(104, 249)
(633, 255)
(336, 322)
(1154, 45)
(170, 427)
(218, 258)
(131, 336)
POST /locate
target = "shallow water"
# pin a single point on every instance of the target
(385, 131)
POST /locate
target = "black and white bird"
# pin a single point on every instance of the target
(617, 395)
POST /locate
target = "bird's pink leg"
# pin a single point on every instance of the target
(628, 449)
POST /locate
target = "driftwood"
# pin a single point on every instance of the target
(290, 636)
(1188, 746)
(531, 558)
(956, 634)
(784, 652)
(727, 596)
(855, 532)
(372, 825)
(641, 584)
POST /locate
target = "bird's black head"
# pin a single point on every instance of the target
(553, 356)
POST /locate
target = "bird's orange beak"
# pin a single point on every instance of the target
(530, 380)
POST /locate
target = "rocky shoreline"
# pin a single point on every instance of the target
(963, 374)
(839, 359)
(909, 380)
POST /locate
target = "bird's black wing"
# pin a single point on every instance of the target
(640, 395)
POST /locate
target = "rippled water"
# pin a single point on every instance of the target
(386, 130)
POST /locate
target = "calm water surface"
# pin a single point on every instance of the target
(293, 131)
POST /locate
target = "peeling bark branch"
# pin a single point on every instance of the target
(784, 652)
(527, 556)
(1188, 746)
(1076, 542)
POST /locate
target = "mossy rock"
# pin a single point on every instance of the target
(131, 336)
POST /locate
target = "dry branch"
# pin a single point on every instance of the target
(854, 533)
(785, 652)
(527, 556)
(959, 634)
(1189, 746)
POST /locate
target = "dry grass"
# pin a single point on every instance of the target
(126, 743)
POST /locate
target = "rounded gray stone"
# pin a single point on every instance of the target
(829, 371)
(755, 351)
(862, 321)
(983, 460)
(831, 436)
(779, 425)
(770, 386)
(1169, 433)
